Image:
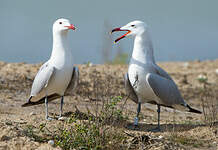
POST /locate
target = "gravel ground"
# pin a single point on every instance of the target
(180, 130)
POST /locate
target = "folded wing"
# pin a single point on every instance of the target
(42, 78)
(73, 82)
(165, 89)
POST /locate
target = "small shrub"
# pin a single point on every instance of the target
(186, 140)
(89, 135)
(111, 112)
(95, 132)
(33, 133)
(209, 102)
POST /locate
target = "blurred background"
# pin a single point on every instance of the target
(181, 30)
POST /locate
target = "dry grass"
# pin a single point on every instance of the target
(98, 115)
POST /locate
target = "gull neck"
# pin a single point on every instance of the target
(60, 44)
(143, 49)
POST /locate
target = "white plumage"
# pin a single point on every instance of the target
(145, 81)
(56, 75)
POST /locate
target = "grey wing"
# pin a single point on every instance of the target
(129, 89)
(74, 81)
(162, 72)
(165, 89)
(42, 78)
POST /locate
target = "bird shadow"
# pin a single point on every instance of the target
(163, 127)
(77, 114)
(142, 127)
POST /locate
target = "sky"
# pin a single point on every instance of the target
(180, 30)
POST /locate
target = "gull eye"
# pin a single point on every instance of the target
(133, 25)
(60, 22)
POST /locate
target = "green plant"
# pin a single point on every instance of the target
(120, 58)
(186, 140)
(88, 135)
(209, 103)
(95, 132)
(33, 133)
(111, 112)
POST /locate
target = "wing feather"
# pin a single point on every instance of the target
(74, 81)
(162, 72)
(129, 89)
(165, 89)
(42, 78)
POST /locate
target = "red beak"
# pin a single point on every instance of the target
(118, 29)
(71, 27)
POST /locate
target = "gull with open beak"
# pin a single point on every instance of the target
(145, 81)
(57, 77)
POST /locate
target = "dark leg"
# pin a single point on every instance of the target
(157, 129)
(61, 108)
(137, 116)
(158, 119)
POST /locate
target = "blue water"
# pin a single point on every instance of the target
(181, 30)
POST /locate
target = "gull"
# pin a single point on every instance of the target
(145, 81)
(56, 77)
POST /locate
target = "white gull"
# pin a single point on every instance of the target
(145, 81)
(57, 76)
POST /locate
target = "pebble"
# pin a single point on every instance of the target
(202, 78)
(8, 122)
(90, 64)
(5, 138)
(189, 117)
(51, 142)
(160, 137)
(216, 71)
(32, 113)
(186, 65)
(61, 118)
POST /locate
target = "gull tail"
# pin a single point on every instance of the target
(40, 101)
(192, 110)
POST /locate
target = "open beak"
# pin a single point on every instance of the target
(71, 27)
(123, 36)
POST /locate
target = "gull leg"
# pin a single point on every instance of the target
(137, 116)
(158, 119)
(61, 108)
(157, 129)
(46, 109)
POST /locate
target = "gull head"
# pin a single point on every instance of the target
(133, 28)
(62, 26)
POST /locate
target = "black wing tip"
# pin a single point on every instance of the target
(40, 101)
(27, 104)
(192, 110)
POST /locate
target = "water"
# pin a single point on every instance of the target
(181, 30)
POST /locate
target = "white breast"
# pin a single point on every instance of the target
(62, 75)
(137, 77)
